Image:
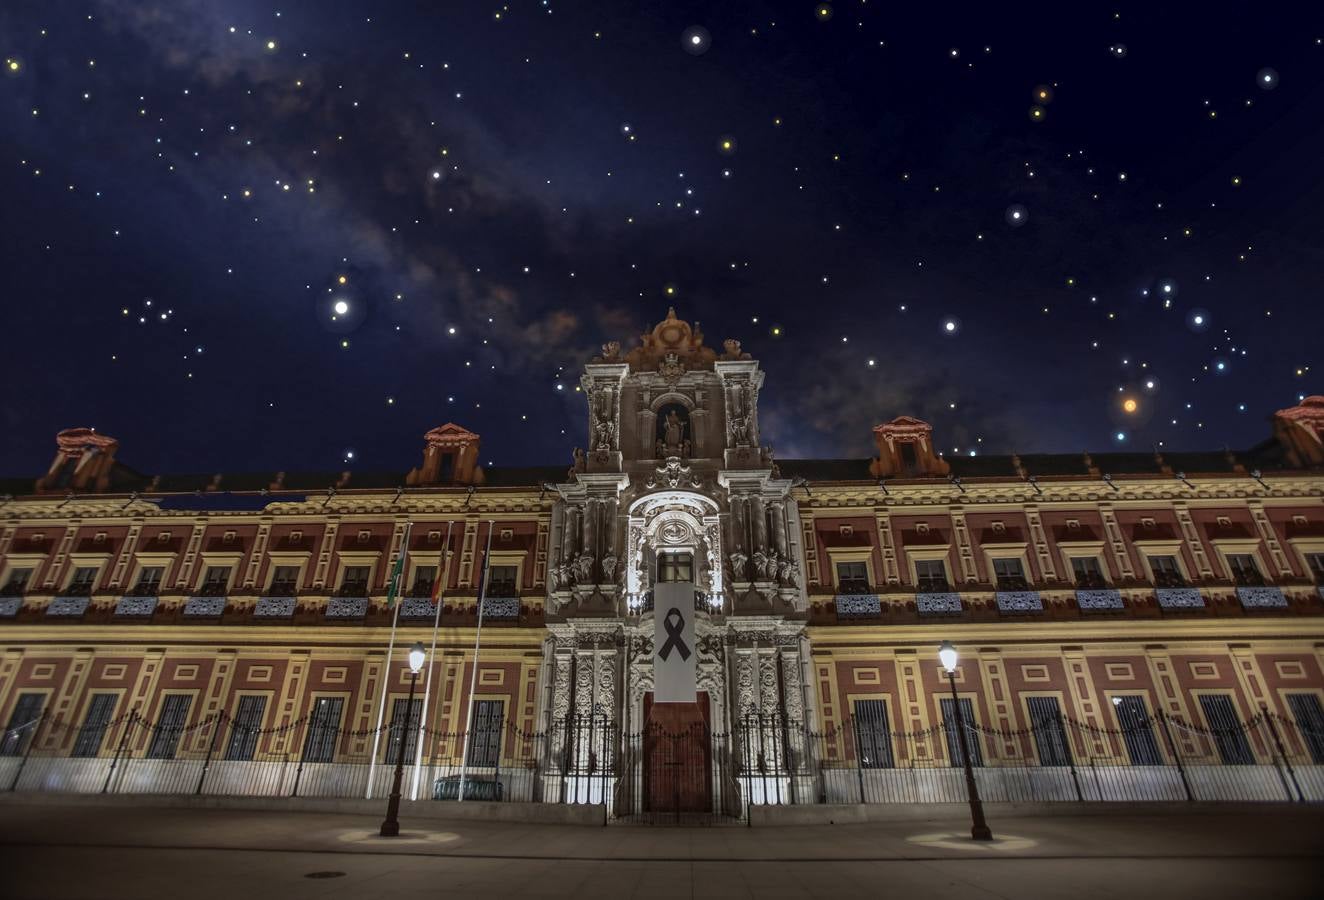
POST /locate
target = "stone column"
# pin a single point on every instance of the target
(779, 527)
(759, 536)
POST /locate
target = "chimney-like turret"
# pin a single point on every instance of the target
(450, 457)
(905, 450)
(82, 463)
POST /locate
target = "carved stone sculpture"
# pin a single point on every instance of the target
(738, 562)
(733, 351)
(584, 569)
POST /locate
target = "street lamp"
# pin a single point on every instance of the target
(391, 824)
(979, 828)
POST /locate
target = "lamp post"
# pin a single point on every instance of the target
(391, 824)
(979, 830)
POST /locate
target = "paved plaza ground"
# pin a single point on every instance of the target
(131, 850)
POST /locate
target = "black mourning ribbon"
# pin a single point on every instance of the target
(674, 623)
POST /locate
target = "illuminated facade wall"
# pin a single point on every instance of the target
(824, 584)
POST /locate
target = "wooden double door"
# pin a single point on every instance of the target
(678, 756)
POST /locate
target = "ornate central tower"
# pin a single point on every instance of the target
(674, 485)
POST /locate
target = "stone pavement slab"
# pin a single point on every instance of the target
(130, 850)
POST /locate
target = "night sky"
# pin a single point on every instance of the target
(253, 236)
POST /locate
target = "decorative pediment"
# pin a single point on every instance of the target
(672, 348)
(450, 435)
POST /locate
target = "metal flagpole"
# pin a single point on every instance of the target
(443, 573)
(391, 591)
(473, 678)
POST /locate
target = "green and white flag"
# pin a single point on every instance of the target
(393, 587)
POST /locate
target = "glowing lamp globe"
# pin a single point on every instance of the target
(947, 655)
(416, 656)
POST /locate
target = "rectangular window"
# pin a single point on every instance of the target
(1049, 738)
(149, 581)
(100, 710)
(873, 735)
(1137, 731)
(169, 727)
(81, 584)
(931, 576)
(1309, 716)
(398, 727)
(677, 568)
(501, 579)
(954, 736)
(22, 724)
(485, 736)
(1010, 574)
(852, 578)
(1088, 572)
(355, 582)
(424, 579)
(216, 582)
(1316, 563)
(1243, 569)
(285, 581)
(17, 584)
(1166, 571)
(244, 729)
(323, 729)
(1227, 732)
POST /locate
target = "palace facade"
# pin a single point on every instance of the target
(1104, 589)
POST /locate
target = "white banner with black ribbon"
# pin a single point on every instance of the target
(674, 650)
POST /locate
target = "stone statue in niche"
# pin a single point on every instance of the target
(604, 418)
(673, 432)
(608, 568)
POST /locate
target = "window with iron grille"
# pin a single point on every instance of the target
(149, 581)
(216, 582)
(852, 578)
(1243, 568)
(17, 583)
(1049, 738)
(244, 729)
(92, 734)
(1088, 572)
(285, 581)
(931, 576)
(323, 729)
(873, 734)
(169, 726)
(399, 707)
(485, 735)
(1309, 716)
(81, 584)
(1316, 562)
(1229, 736)
(954, 736)
(1010, 574)
(1137, 731)
(22, 724)
(501, 581)
(1166, 571)
(424, 579)
(355, 582)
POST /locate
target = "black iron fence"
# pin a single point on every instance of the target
(687, 774)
